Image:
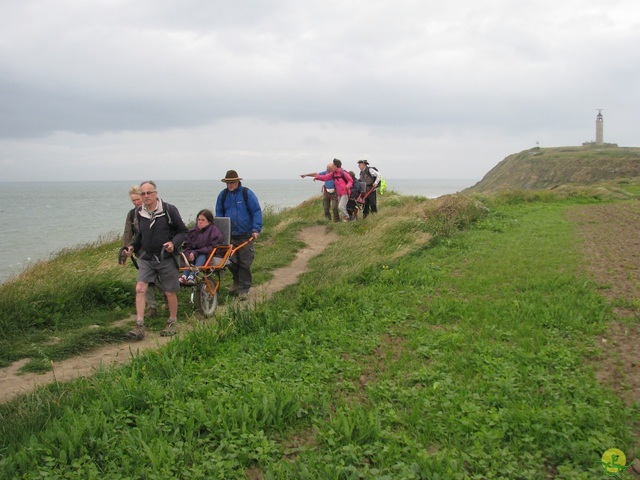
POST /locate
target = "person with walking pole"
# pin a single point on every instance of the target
(371, 177)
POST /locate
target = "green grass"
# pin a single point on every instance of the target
(590, 170)
(453, 339)
(76, 296)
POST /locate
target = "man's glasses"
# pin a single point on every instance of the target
(144, 194)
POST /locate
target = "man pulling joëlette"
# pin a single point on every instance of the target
(371, 177)
(242, 206)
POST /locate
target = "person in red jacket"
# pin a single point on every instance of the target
(343, 183)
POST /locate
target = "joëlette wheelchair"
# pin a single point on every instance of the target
(204, 294)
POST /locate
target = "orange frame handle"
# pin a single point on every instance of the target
(208, 267)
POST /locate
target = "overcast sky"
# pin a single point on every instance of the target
(187, 89)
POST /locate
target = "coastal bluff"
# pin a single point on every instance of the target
(550, 168)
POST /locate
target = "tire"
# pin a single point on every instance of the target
(205, 302)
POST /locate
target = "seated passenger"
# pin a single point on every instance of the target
(199, 244)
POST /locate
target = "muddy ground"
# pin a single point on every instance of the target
(611, 247)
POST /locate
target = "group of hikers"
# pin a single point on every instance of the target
(343, 193)
(155, 234)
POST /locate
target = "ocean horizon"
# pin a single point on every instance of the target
(42, 218)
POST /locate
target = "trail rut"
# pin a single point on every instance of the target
(12, 383)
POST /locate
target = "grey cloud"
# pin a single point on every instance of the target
(127, 68)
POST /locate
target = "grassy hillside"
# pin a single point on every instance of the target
(441, 339)
(68, 305)
(549, 168)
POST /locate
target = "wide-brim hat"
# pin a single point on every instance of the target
(231, 176)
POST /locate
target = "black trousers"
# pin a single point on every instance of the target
(241, 261)
(370, 203)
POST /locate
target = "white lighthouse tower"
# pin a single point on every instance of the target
(599, 127)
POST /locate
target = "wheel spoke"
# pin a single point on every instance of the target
(206, 301)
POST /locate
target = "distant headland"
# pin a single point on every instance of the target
(549, 168)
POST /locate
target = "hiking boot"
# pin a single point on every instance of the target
(243, 297)
(151, 312)
(137, 333)
(169, 329)
(233, 289)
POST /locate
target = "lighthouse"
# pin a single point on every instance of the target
(599, 127)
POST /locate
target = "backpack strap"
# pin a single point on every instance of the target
(245, 196)
(165, 208)
(342, 176)
(172, 226)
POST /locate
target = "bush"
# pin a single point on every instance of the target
(451, 213)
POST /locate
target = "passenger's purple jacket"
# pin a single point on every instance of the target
(201, 242)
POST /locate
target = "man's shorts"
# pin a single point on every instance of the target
(166, 270)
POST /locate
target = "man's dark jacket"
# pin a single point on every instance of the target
(155, 230)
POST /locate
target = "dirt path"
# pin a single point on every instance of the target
(11, 383)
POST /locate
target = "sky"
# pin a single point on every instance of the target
(188, 89)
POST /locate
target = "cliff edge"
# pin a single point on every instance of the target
(549, 168)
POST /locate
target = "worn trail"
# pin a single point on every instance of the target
(316, 239)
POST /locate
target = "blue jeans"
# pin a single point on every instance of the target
(200, 261)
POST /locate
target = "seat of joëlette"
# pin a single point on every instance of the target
(222, 250)
(224, 225)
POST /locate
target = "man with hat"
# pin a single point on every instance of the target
(242, 206)
(371, 177)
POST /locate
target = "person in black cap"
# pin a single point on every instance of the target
(242, 206)
(371, 177)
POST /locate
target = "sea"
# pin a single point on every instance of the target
(39, 219)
